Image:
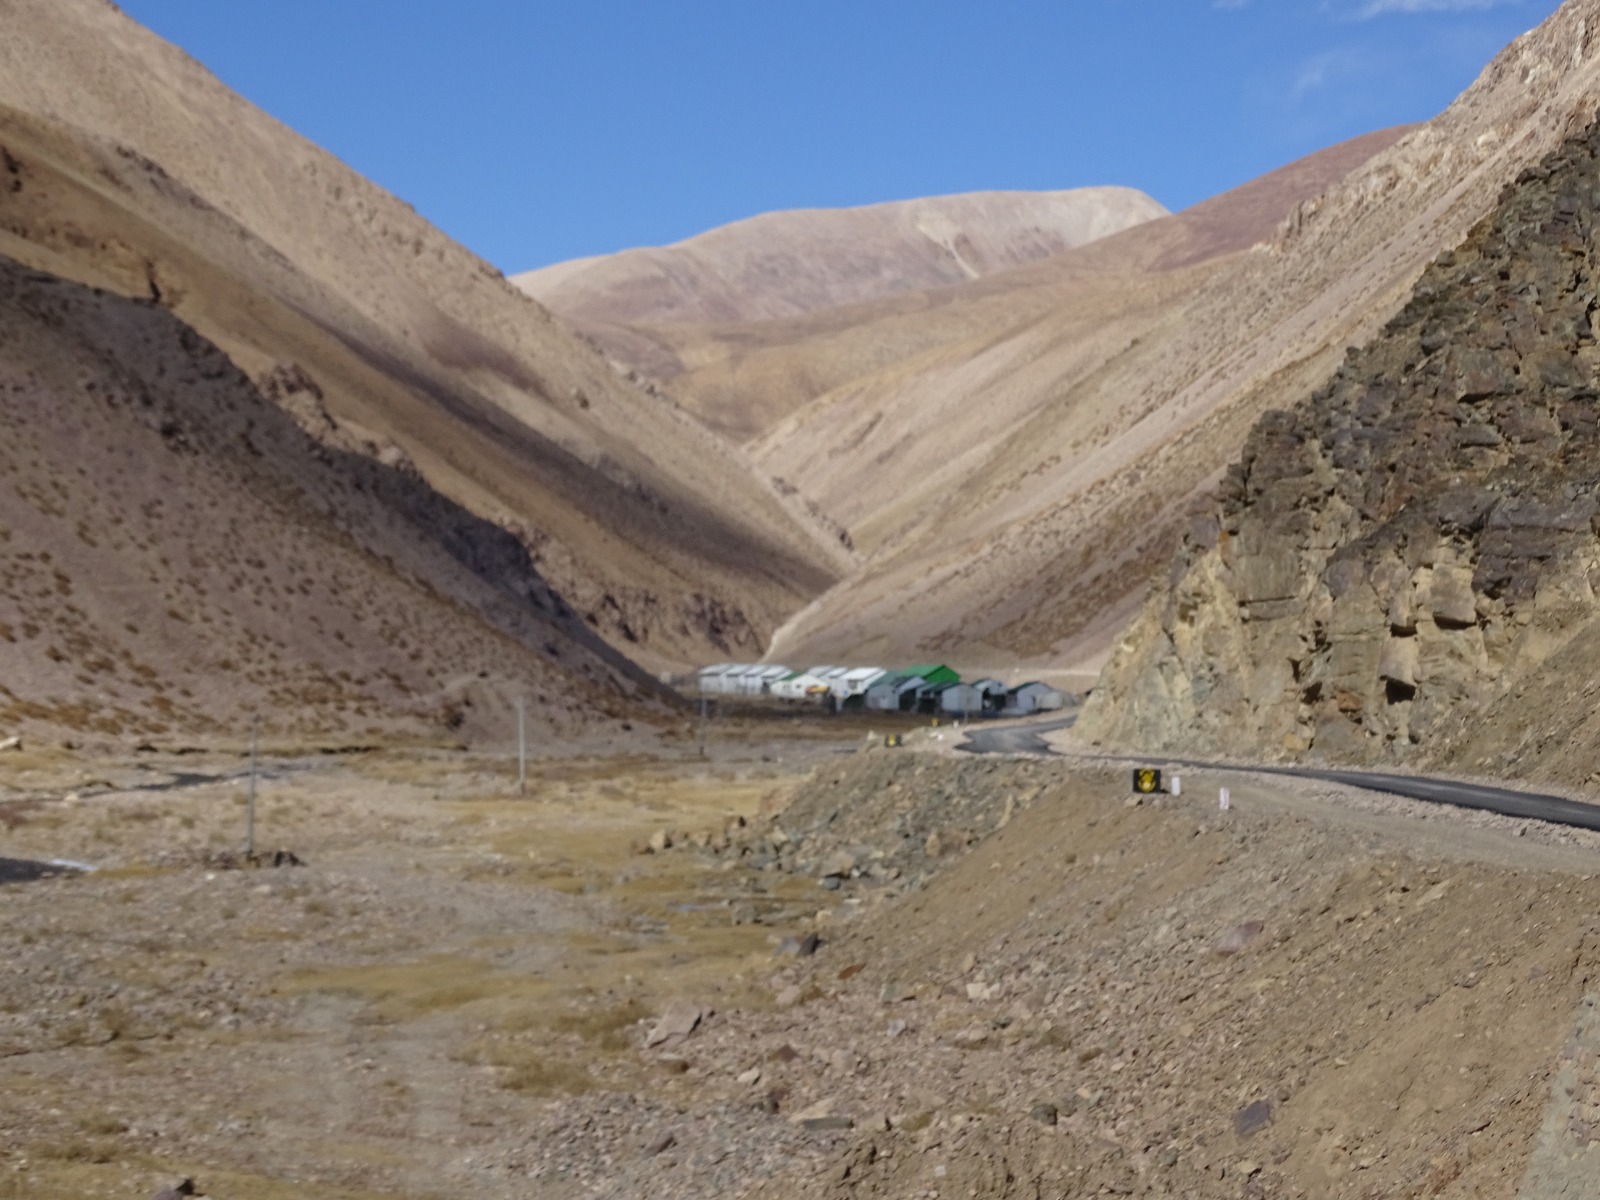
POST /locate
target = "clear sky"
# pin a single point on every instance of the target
(540, 130)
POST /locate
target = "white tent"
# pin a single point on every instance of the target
(855, 681)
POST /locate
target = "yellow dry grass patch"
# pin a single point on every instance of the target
(404, 991)
(85, 1170)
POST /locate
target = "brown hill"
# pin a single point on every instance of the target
(786, 264)
(1013, 495)
(129, 167)
(180, 553)
(748, 322)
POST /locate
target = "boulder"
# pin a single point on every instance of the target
(681, 1018)
(1234, 940)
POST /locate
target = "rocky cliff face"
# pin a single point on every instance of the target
(1415, 542)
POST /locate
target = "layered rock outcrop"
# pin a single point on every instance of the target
(1414, 541)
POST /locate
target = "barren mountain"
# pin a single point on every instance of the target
(178, 553)
(786, 264)
(1013, 495)
(1399, 563)
(748, 322)
(127, 166)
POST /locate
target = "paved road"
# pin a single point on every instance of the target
(1027, 739)
(22, 870)
(1015, 739)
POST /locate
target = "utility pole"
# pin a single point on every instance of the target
(522, 746)
(250, 806)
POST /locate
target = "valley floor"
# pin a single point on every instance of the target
(1023, 985)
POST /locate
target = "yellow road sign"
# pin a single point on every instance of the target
(1146, 780)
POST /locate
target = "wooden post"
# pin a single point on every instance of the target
(522, 746)
(250, 805)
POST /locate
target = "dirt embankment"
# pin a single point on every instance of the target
(1088, 996)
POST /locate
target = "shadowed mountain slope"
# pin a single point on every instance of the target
(178, 553)
(128, 166)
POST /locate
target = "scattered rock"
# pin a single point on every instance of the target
(185, 1187)
(12, 743)
(1045, 1113)
(827, 1124)
(1252, 1118)
(680, 1019)
(788, 997)
(660, 1143)
(1236, 939)
(812, 1112)
(894, 993)
(660, 841)
(839, 865)
(973, 1037)
(751, 1077)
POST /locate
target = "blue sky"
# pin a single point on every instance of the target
(535, 130)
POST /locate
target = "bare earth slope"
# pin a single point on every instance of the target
(1014, 496)
(178, 553)
(128, 166)
(1403, 566)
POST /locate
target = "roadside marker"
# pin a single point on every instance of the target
(250, 804)
(1222, 799)
(1177, 786)
(522, 746)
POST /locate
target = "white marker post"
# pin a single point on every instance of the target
(1177, 786)
(1222, 799)
(522, 746)
(250, 804)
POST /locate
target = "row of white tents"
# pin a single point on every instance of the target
(757, 679)
(933, 688)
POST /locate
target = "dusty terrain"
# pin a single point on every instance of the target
(124, 164)
(1023, 986)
